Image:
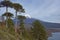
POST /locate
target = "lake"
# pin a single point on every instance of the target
(55, 36)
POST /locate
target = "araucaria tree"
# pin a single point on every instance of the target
(6, 3)
(22, 30)
(18, 8)
(8, 20)
(38, 31)
(21, 20)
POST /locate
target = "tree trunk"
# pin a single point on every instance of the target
(6, 17)
(16, 22)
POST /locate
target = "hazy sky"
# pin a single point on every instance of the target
(46, 10)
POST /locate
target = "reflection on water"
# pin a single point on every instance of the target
(55, 36)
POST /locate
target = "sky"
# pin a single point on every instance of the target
(45, 10)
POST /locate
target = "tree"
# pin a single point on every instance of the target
(8, 19)
(21, 19)
(38, 31)
(8, 15)
(6, 3)
(22, 31)
(19, 8)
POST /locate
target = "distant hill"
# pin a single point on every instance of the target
(50, 25)
(29, 21)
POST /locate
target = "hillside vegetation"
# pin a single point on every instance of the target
(10, 30)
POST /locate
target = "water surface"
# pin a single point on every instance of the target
(55, 36)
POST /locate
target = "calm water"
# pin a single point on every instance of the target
(55, 36)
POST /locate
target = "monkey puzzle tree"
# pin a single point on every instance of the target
(8, 20)
(23, 32)
(38, 31)
(6, 3)
(8, 15)
(21, 19)
(18, 8)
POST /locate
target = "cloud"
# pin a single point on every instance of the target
(46, 10)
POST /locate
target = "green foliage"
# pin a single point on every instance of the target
(23, 32)
(17, 6)
(8, 14)
(38, 31)
(22, 28)
(10, 22)
(5, 35)
(6, 3)
(10, 27)
(20, 17)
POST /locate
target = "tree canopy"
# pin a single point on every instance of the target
(38, 31)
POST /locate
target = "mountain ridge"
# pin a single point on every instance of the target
(45, 24)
